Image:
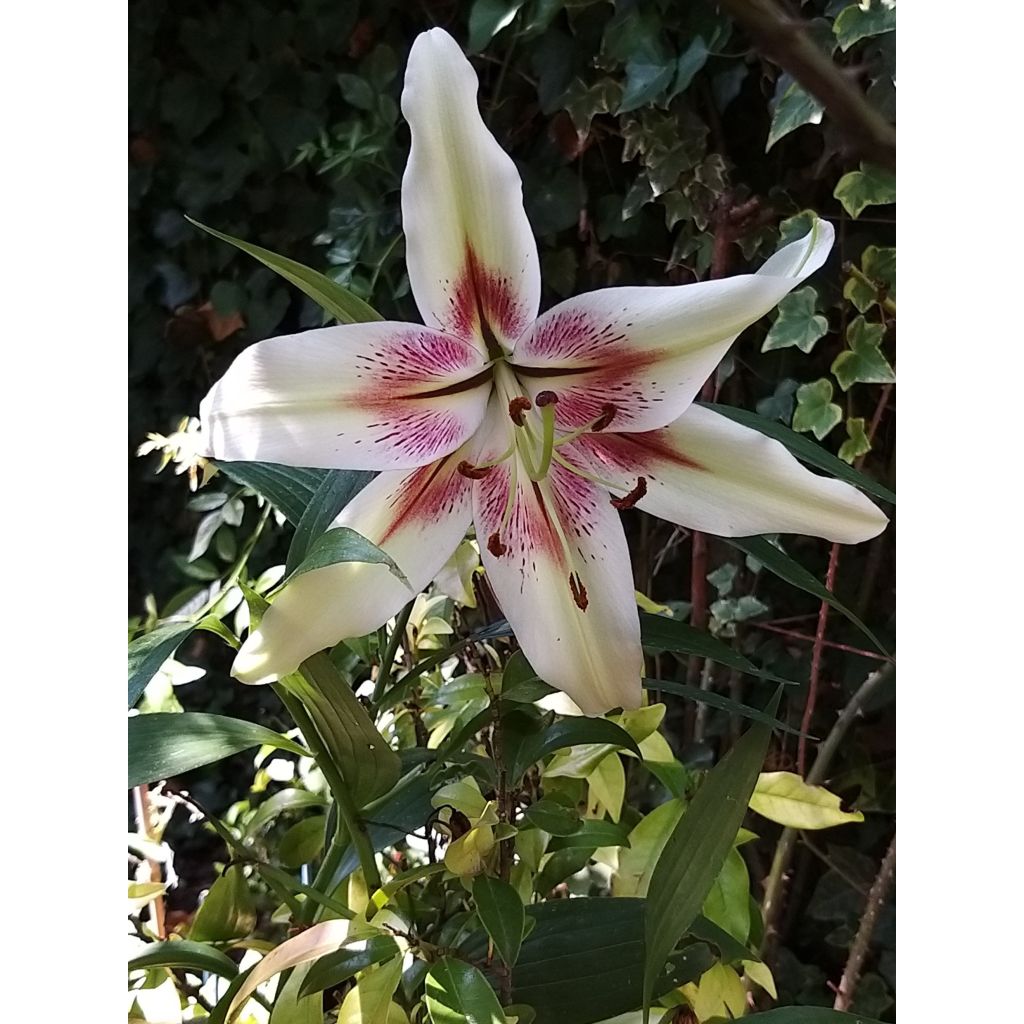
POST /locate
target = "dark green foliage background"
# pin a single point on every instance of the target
(637, 128)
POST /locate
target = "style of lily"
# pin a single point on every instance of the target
(537, 429)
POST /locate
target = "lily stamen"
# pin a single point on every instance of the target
(517, 408)
(596, 425)
(629, 500)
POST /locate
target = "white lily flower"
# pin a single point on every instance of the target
(538, 429)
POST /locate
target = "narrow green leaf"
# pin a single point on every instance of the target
(148, 652)
(303, 842)
(367, 764)
(487, 18)
(697, 848)
(165, 744)
(227, 912)
(457, 993)
(337, 300)
(592, 835)
(716, 700)
(793, 572)
(583, 960)
(279, 803)
(569, 732)
(730, 950)
(192, 956)
(343, 544)
(336, 968)
(338, 488)
(806, 450)
(289, 489)
(658, 633)
(502, 914)
(553, 817)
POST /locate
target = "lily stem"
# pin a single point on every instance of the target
(349, 822)
(385, 670)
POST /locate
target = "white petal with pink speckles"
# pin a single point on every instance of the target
(418, 517)
(360, 396)
(471, 255)
(560, 570)
(708, 473)
(647, 351)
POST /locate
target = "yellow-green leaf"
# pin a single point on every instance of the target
(785, 798)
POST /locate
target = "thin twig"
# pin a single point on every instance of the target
(804, 638)
(816, 653)
(859, 950)
(775, 884)
(786, 41)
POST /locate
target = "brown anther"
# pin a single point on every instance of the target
(473, 472)
(517, 407)
(604, 420)
(495, 546)
(629, 500)
(578, 591)
(546, 398)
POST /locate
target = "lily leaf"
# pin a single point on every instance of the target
(227, 912)
(658, 633)
(289, 489)
(809, 1015)
(367, 763)
(165, 744)
(338, 488)
(717, 700)
(793, 572)
(697, 848)
(192, 956)
(345, 307)
(343, 544)
(148, 652)
(785, 798)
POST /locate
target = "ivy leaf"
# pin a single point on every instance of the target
(863, 362)
(878, 265)
(691, 60)
(487, 18)
(870, 186)
(779, 405)
(645, 82)
(793, 108)
(796, 227)
(584, 102)
(797, 323)
(815, 410)
(857, 443)
(859, 21)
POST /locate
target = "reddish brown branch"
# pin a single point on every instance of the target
(816, 653)
(786, 41)
(804, 638)
(859, 950)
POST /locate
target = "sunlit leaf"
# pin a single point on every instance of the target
(345, 307)
(165, 744)
(148, 652)
(785, 798)
(227, 912)
(338, 488)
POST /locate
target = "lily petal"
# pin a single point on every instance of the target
(417, 517)
(564, 583)
(469, 247)
(709, 473)
(360, 396)
(647, 351)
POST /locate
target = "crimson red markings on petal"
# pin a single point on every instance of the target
(426, 495)
(418, 433)
(479, 289)
(413, 360)
(635, 453)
